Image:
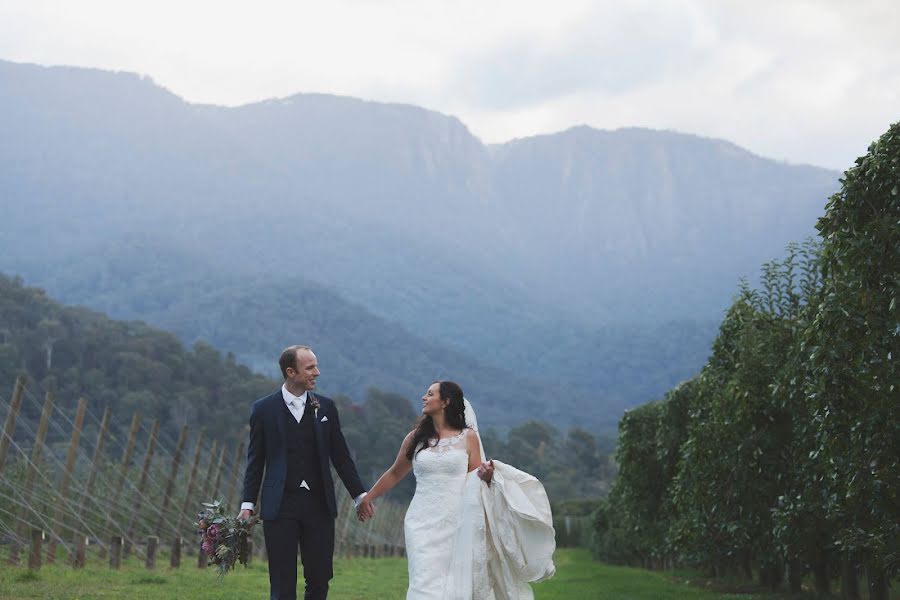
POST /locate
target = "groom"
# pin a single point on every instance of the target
(293, 435)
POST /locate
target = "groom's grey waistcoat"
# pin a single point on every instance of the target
(267, 452)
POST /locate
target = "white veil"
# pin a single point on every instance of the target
(472, 423)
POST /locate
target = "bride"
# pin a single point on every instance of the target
(475, 530)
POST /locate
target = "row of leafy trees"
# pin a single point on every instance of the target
(782, 457)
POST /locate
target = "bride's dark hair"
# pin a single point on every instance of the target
(454, 414)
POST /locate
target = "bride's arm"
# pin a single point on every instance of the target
(394, 474)
(485, 470)
(474, 450)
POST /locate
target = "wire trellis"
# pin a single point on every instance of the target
(117, 505)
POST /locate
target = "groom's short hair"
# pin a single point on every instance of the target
(289, 358)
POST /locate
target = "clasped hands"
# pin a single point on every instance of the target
(365, 510)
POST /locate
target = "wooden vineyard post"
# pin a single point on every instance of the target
(115, 552)
(204, 491)
(79, 540)
(170, 483)
(34, 552)
(175, 556)
(79, 556)
(344, 520)
(138, 501)
(127, 455)
(220, 466)
(36, 453)
(9, 427)
(215, 465)
(190, 503)
(66, 476)
(235, 473)
(152, 545)
(128, 452)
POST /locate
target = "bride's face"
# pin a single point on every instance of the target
(431, 401)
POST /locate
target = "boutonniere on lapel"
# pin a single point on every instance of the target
(314, 403)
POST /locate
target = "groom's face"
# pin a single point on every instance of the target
(305, 371)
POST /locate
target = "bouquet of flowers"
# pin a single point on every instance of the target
(223, 538)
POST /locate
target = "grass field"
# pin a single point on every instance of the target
(577, 578)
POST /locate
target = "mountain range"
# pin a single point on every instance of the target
(564, 277)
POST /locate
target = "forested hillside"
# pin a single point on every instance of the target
(127, 366)
(131, 367)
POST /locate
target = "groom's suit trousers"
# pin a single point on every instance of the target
(304, 520)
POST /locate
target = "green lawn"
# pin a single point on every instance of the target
(577, 578)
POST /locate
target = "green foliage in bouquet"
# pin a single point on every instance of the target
(223, 539)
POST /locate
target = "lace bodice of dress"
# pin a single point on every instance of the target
(440, 468)
(443, 445)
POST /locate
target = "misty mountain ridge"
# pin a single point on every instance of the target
(576, 246)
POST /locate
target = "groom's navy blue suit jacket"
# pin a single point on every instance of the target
(267, 451)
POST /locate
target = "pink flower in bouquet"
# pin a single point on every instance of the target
(223, 538)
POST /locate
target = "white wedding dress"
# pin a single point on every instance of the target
(434, 514)
(466, 540)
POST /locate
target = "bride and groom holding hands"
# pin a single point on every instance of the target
(474, 530)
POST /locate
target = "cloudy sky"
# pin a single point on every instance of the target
(804, 81)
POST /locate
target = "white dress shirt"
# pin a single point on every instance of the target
(296, 404)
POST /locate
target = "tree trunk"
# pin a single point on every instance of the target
(726, 568)
(849, 579)
(778, 575)
(771, 574)
(820, 575)
(795, 576)
(878, 583)
(747, 565)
